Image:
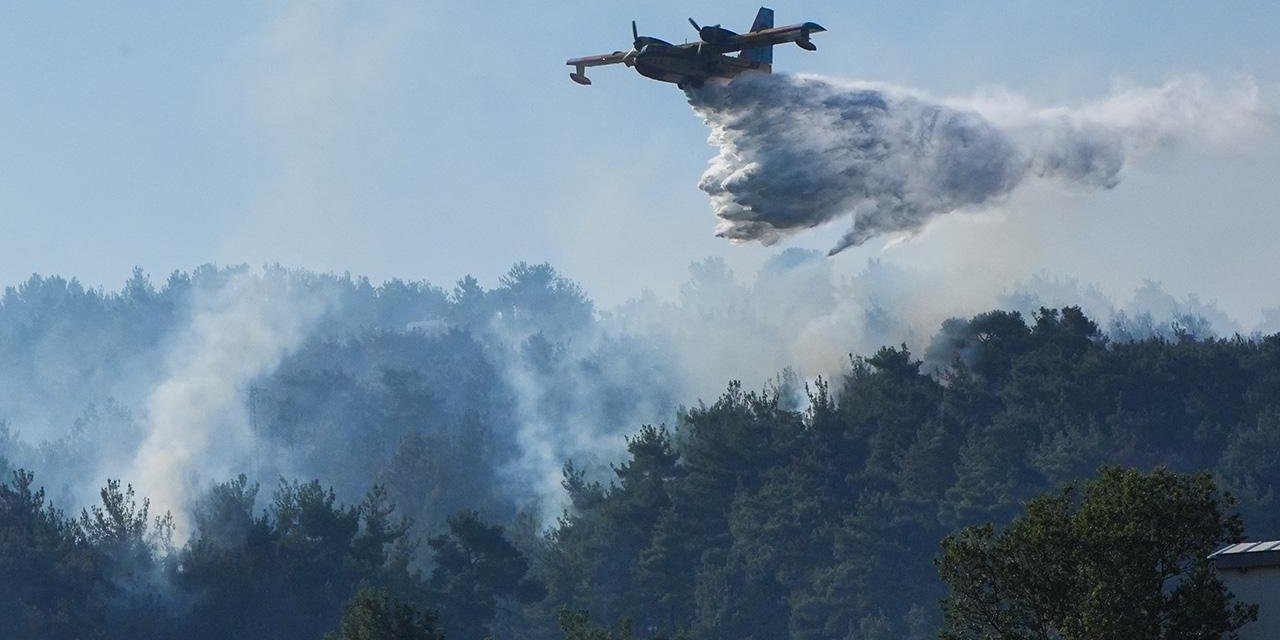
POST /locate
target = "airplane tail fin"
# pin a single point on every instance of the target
(763, 55)
(764, 20)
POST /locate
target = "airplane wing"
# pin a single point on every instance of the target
(579, 74)
(768, 37)
(596, 61)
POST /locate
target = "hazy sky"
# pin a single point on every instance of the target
(430, 140)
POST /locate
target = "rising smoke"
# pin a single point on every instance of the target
(197, 424)
(801, 151)
(403, 385)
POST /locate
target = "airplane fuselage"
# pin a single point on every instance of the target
(688, 67)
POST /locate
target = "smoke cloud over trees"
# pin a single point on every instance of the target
(573, 466)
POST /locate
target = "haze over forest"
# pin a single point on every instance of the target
(963, 326)
(585, 435)
(205, 363)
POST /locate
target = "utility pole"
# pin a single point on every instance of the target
(255, 432)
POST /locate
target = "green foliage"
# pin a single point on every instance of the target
(287, 572)
(766, 521)
(477, 573)
(576, 625)
(1126, 557)
(99, 576)
(121, 525)
(41, 593)
(373, 614)
(749, 517)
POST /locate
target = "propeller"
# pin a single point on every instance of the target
(630, 56)
(699, 30)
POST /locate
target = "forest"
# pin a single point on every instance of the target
(508, 463)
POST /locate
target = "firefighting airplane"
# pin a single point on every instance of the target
(689, 65)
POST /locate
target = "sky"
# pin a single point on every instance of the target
(430, 140)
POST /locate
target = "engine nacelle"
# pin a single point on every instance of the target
(715, 34)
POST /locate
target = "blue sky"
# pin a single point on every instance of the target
(430, 140)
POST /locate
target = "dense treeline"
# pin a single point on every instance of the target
(453, 397)
(797, 511)
(753, 519)
(285, 572)
(802, 511)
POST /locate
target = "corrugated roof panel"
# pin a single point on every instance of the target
(1237, 548)
(1247, 555)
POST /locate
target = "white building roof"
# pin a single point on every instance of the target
(1247, 555)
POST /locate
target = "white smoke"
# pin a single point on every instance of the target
(801, 151)
(197, 423)
(574, 401)
(796, 314)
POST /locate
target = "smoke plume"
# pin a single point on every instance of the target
(197, 424)
(800, 151)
